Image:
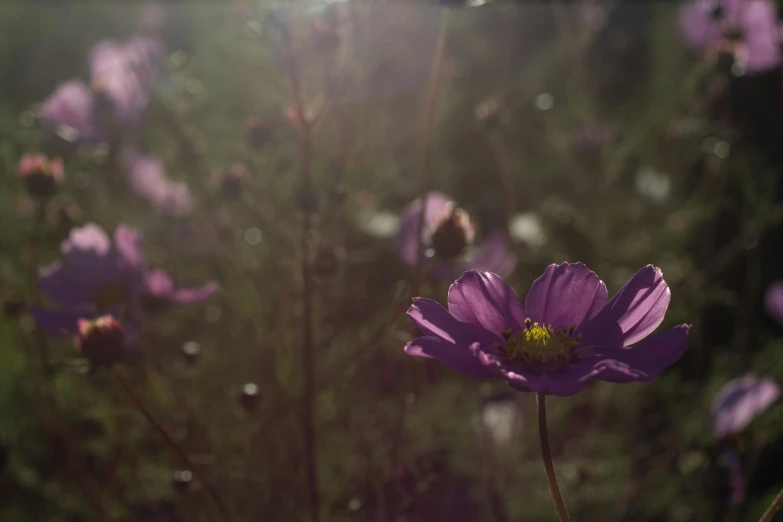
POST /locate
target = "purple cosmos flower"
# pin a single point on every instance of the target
(147, 178)
(70, 110)
(124, 72)
(773, 301)
(712, 26)
(566, 334)
(739, 402)
(447, 238)
(121, 76)
(100, 276)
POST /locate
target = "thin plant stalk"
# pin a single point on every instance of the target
(175, 447)
(546, 453)
(773, 508)
(306, 195)
(429, 128)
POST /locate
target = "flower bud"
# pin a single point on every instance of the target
(233, 179)
(182, 480)
(191, 351)
(100, 340)
(250, 397)
(452, 234)
(40, 175)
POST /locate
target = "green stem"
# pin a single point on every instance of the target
(172, 444)
(773, 508)
(429, 130)
(546, 453)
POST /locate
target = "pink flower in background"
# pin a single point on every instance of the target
(746, 29)
(121, 81)
(447, 239)
(567, 333)
(70, 110)
(147, 178)
(102, 275)
(124, 73)
(739, 402)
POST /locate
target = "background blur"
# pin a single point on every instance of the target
(583, 131)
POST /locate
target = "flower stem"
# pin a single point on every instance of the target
(546, 453)
(173, 445)
(773, 508)
(429, 127)
(308, 360)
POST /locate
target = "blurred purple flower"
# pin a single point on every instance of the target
(712, 26)
(447, 238)
(100, 276)
(773, 301)
(147, 178)
(567, 333)
(124, 72)
(121, 76)
(70, 110)
(739, 402)
(160, 286)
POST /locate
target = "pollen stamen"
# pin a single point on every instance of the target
(538, 344)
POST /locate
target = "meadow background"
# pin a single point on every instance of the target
(581, 131)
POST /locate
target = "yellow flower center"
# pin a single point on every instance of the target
(539, 344)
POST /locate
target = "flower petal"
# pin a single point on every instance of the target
(193, 295)
(434, 320)
(563, 383)
(456, 356)
(409, 223)
(90, 263)
(64, 286)
(127, 241)
(566, 294)
(644, 361)
(61, 322)
(773, 301)
(739, 402)
(492, 256)
(71, 111)
(633, 313)
(484, 299)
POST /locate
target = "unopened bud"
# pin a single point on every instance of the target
(251, 395)
(233, 179)
(100, 340)
(191, 351)
(452, 234)
(40, 175)
(182, 480)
